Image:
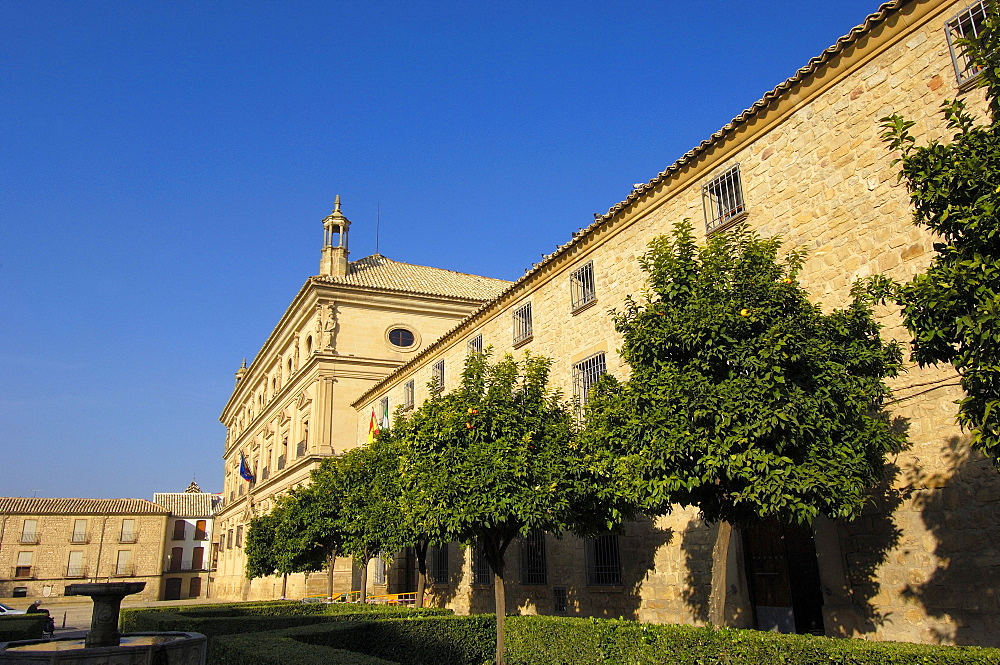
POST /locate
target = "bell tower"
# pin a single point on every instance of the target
(333, 261)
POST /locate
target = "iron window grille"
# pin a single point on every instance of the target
(581, 286)
(79, 536)
(604, 567)
(475, 345)
(966, 25)
(128, 534)
(481, 571)
(439, 564)
(585, 375)
(522, 323)
(379, 573)
(23, 572)
(723, 199)
(76, 571)
(560, 603)
(438, 371)
(533, 565)
(408, 394)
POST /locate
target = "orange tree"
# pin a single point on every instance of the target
(745, 400)
(492, 460)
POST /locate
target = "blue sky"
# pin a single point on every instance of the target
(164, 167)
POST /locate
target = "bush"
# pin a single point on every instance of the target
(564, 641)
(22, 627)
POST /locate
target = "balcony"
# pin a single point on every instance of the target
(79, 538)
(24, 572)
(200, 535)
(124, 571)
(76, 572)
(300, 448)
(129, 537)
(29, 538)
(183, 565)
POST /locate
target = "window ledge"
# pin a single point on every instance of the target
(521, 342)
(729, 223)
(971, 83)
(587, 305)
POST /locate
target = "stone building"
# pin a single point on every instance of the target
(46, 544)
(804, 162)
(189, 550)
(348, 328)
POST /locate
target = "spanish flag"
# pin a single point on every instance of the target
(372, 427)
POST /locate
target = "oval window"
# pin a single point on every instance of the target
(401, 337)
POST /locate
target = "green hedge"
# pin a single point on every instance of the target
(539, 640)
(281, 648)
(21, 627)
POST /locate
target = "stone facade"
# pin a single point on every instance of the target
(189, 550)
(923, 563)
(46, 544)
(347, 329)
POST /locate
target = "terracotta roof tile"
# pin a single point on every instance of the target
(39, 506)
(188, 504)
(379, 272)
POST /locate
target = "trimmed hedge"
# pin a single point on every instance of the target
(15, 627)
(281, 648)
(543, 640)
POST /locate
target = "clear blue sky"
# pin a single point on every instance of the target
(164, 167)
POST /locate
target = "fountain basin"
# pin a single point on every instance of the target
(135, 649)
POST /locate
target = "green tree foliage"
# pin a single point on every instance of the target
(952, 308)
(493, 460)
(745, 400)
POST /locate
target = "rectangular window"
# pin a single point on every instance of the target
(176, 560)
(300, 448)
(481, 571)
(79, 532)
(408, 394)
(123, 566)
(239, 536)
(378, 575)
(723, 199)
(439, 564)
(74, 567)
(533, 565)
(522, 323)
(438, 372)
(198, 558)
(29, 531)
(23, 568)
(604, 566)
(581, 286)
(179, 528)
(195, 589)
(128, 534)
(560, 604)
(200, 532)
(475, 345)
(383, 407)
(229, 540)
(968, 24)
(585, 375)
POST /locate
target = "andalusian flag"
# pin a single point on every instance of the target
(372, 427)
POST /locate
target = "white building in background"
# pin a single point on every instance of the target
(189, 551)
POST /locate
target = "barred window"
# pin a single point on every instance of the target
(723, 199)
(438, 371)
(439, 564)
(408, 394)
(481, 571)
(475, 344)
(581, 285)
(968, 24)
(604, 567)
(533, 565)
(585, 375)
(378, 575)
(560, 604)
(522, 323)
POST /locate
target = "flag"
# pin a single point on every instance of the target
(385, 414)
(245, 471)
(372, 427)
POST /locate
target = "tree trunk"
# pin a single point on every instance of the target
(364, 579)
(494, 549)
(284, 585)
(720, 565)
(331, 564)
(420, 551)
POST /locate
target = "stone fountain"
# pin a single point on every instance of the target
(104, 644)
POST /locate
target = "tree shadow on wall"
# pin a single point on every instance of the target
(697, 543)
(960, 508)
